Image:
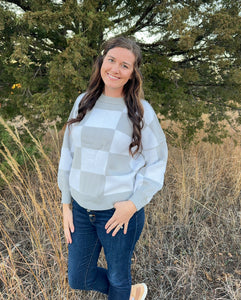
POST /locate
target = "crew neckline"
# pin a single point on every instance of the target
(112, 100)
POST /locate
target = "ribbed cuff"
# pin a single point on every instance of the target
(139, 199)
(66, 197)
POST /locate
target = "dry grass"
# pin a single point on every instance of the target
(189, 249)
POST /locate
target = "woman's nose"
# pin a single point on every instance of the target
(115, 68)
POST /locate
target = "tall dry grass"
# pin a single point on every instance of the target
(190, 246)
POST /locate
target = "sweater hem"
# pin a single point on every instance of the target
(101, 202)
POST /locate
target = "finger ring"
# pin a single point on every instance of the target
(120, 226)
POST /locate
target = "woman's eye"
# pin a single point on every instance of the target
(110, 60)
(125, 66)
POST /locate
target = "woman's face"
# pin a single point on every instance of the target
(116, 70)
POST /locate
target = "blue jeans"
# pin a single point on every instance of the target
(88, 238)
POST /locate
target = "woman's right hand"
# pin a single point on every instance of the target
(68, 222)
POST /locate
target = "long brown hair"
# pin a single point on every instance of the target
(132, 90)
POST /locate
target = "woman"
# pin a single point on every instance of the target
(113, 161)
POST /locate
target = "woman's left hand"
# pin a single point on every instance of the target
(124, 210)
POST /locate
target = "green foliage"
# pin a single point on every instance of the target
(191, 68)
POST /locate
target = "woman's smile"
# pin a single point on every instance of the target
(112, 77)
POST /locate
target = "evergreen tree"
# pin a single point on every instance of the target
(191, 52)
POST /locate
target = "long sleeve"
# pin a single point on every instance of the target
(66, 157)
(149, 179)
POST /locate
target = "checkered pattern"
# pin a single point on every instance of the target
(95, 166)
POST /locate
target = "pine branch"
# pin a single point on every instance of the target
(139, 23)
(218, 104)
(24, 5)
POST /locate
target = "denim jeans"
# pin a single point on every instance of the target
(88, 238)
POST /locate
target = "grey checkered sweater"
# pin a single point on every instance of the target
(95, 166)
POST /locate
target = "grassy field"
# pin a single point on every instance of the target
(189, 248)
